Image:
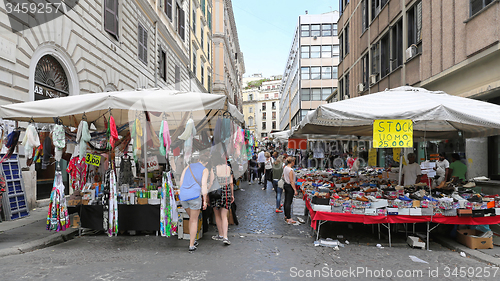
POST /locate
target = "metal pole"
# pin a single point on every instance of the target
(400, 166)
(145, 151)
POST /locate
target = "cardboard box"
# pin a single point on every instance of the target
(392, 211)
(142, 201)
(403, 211)
(415, 211)
(415, 242)
(381, 203)
(371, 212)
(85, 202)
(74, 202)
(464, 237)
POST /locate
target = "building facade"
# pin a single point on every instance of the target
(228, 64)
(310, 74)
(452, 46)
(261, 107)
(201, 44)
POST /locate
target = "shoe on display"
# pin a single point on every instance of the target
(362, 198)
(371, 198)
(404, 198)
(475, 198)
(457, 197)
(301, 220)
(469, 184)
(428, 198)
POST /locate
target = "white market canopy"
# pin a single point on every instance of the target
(435, 115)
(124, 106)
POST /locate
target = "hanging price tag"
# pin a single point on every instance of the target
(93, 159)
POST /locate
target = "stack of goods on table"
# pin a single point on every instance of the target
(371, 194)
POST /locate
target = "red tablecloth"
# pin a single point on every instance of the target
(367, 219)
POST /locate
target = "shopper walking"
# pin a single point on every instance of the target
(261, 158)
(268, 165)
(193, 194)
(223, 176)
(277, 175)
(290, 188)
(253, 169)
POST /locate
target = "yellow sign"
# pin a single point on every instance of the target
(396, 153)
(392, 133)
(93, 159)
(372, 157)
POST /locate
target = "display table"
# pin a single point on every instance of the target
(130, 217)
(319, 218)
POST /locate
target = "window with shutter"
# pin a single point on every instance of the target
(111, 17)
(168, 8)
(209, 20)
(143, 44)
(162, 65)
(203, 6)
(180, 22)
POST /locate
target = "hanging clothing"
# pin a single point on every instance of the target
(165, 139)
(82, 137)
(59, 141)
(218, 131)
(113, 205)
(12, 140)
(126, 175)
(30, 141)
(47, 152)
(58, 216)
(114, 133)
(77, 169)
(187, 136)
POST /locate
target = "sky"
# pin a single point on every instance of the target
(266, 28)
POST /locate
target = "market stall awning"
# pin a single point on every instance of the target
(123, 105)
(435, 115)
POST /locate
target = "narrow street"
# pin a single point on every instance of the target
(263, 248)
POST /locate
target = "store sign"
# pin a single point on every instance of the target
(392, 133)
(92, 159)
(43, 91)
(152, 164)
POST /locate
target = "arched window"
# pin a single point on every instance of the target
(50, 79)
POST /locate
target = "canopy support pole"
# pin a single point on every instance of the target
(400, 167)
(145, 151)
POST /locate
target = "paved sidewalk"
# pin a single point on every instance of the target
(29, 233)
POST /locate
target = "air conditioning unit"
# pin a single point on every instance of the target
(411, 52)
(373, 79)
(361, 87)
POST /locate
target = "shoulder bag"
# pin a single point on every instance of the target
(281, 182)
(216, 190)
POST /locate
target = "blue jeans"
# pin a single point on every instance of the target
(278, 191)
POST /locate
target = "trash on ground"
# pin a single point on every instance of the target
(463, 254)
(328, 242)
(346, 242)
(415, 259)
(379, 246)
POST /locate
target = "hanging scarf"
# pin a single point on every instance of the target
(30, 141)
(12, 140)
(165, 139)
(114, 133)
(218, 131)
(58, 216)
(59, 141)
(136, 133)
(113, 205)
(47, 152)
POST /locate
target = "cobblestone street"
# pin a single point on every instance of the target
(263, 248)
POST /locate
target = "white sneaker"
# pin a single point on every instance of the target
(373, 199)
(457, 197)
(469, 184)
